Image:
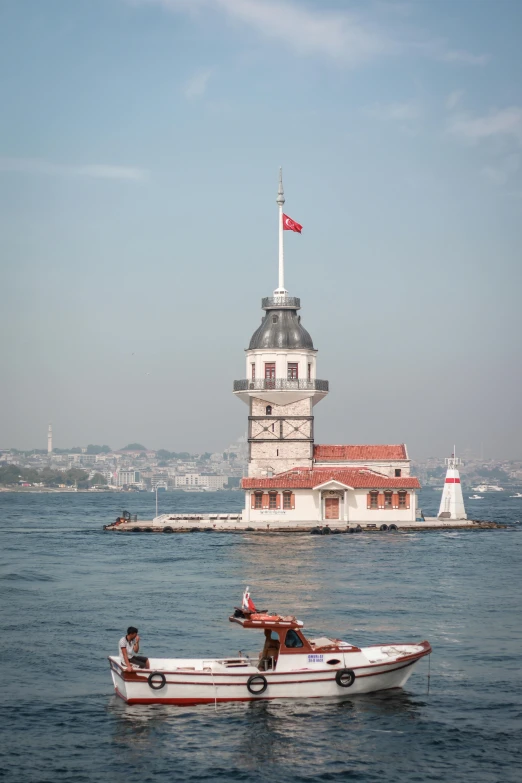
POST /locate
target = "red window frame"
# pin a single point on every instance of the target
(258, 500)
(374, 499)
(402, 499)
(272, 500)
(388, 499)
(270, 371)
(293, 371)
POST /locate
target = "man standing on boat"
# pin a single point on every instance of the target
(129, 646)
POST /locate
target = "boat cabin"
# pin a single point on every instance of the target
(284, 638)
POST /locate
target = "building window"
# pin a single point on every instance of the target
(293, 373)
(275, 319)
(253, 372)
(309, 372)
(273, 427)
(388, 499)
(402, 499)
(398, 472)
(268, 410)
(258, 500)
(270, 371)
(272, 500)
(277, 452)
(287, 500)
(374, 499)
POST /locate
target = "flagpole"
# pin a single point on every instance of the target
(280, 202)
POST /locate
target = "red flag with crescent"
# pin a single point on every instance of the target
(291, 225)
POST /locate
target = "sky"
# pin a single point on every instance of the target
(140, 142)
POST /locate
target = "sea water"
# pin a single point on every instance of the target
(69, 590)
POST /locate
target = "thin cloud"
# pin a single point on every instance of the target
(197, 84)
(462, 56)
(347, 37)
(393, 111)
(498, 123)
(504, 170)
(90, 171)
(454, 98)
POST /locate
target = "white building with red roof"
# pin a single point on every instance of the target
(291, 480)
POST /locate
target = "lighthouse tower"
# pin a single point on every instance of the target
(50, 440)
(281, 385)
(452, 502)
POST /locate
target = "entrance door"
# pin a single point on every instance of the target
(331, 508)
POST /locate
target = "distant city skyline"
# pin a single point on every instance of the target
(464, 452)
(139, 158)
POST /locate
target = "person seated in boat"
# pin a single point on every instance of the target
(270, 651)
(129, 646)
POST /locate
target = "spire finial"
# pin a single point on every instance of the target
(280, 191)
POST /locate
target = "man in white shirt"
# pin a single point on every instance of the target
(129, 646)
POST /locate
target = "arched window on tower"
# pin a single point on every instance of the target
(268, 410)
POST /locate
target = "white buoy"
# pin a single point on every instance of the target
(452, 502)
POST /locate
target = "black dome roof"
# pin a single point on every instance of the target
(281, 329)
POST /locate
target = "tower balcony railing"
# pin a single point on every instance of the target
(281, 303)
(280, 384)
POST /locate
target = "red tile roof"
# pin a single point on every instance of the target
(359, 453)
(302, 478)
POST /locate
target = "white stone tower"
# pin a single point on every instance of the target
(452, 502)
(50, 439)
(281, 385)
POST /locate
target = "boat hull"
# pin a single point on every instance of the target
(207, 687)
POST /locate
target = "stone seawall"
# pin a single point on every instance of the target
(232, 523)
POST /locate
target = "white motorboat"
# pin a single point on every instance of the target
(290, 667)
(476, 497)
(516, 495)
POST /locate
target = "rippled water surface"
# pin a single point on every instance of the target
(68, 591)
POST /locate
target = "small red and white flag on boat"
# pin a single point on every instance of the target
(248, 604)
(291, 225)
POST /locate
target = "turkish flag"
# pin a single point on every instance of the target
(291, 225)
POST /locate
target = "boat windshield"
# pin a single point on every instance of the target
(292, 639)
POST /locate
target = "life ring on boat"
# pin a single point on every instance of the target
(256, 684)
(154, 683)
(345, 678)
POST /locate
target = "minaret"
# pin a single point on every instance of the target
(281, 385)
(452, 502)
(50, 440)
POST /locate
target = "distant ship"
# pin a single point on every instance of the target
(516, 495)
(488, 488)
(476, 497)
